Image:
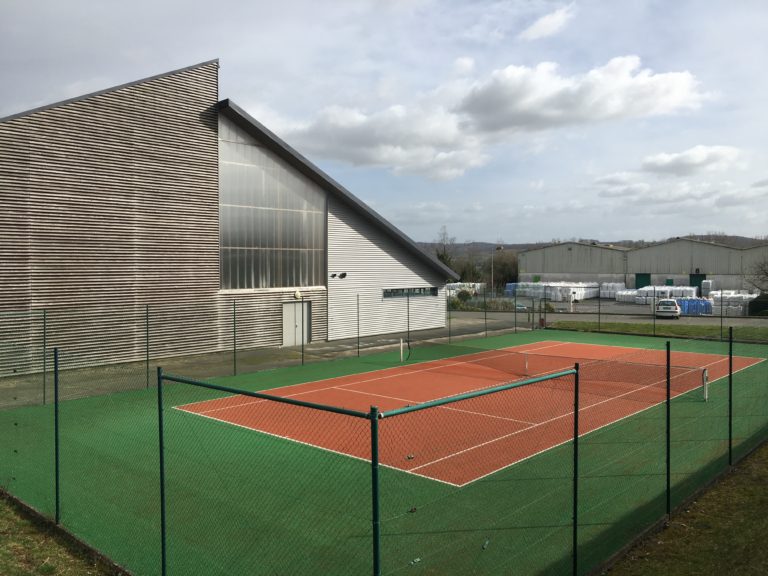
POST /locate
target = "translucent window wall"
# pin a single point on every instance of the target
(273, 218)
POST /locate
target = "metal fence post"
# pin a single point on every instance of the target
(358, 325)
(234, 336)
(575, 543)
(515, 310)
(599, 310)
(721, 315)
(545, 307)
(669, 430)
(45, 352)
(375, 518)
(163, 555)
(448, 310)
(485, 312)
(56, 438)
(146, 318)
(303, 330)
(653, 310)
(730, 396)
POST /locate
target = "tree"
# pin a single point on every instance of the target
(446, 247)
(758, 276)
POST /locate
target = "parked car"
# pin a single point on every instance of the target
(667, 308)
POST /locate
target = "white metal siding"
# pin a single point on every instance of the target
(372, 263)
(571, 257)
(684, 257)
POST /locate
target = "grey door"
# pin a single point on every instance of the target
(297, 319)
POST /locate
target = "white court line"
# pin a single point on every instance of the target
(611, 399)
(510, 350)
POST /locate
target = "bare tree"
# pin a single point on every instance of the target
(446, 247)
(758, 276)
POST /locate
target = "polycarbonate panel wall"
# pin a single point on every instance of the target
(272, 218)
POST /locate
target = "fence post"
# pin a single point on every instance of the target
(575, 543)
(653, 310)
(599, 310)
(485, 312)
(375, 519)
(146, 317)
(56, 439)
(358, 325)
(448, 310)
(45, 352)
(408, 316)
(721, 315)
(669, 430)
(545, 307)
(303, 330)
(234, 337)
(515, 309)
(161, 438)
(730, 395)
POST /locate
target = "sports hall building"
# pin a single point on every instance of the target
(159, 193)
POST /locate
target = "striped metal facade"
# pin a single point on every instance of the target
(110, 203)
(573, 258)
(373, 262)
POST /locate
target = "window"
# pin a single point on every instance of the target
(272, 218)
(404, 292)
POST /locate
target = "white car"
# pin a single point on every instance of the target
(667, 308)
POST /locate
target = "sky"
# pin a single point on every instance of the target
(514, 121)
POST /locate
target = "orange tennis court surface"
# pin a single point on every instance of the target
(461, 442)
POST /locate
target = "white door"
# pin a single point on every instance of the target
(296, 323)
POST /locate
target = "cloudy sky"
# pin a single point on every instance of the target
(519, 120)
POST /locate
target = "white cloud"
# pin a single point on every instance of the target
(463, 65)
(692, 161)
(760, 184)
(406, 139)
(450, 130)
(521, 98)
(548, 25)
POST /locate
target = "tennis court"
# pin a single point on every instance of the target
(616, 382)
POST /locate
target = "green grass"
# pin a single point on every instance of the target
(245, 502)
(30, 549)
(668, 328)
(721, 532)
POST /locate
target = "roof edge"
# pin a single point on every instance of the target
(106, 90)
(308, 168)
(603, 246)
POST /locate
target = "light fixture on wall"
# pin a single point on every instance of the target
(340, 276)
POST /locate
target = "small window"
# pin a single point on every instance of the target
(404, 292)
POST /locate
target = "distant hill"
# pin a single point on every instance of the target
(482, 248)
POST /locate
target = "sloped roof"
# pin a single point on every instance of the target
(588, 245)
(303, 165)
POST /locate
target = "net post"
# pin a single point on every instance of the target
(669, 431)
(575, 536)
(730, 393)
(375, 518)
(161, 438)
(56, 437)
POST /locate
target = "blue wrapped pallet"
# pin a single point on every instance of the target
(510, 289)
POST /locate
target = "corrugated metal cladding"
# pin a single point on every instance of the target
(751, 257)
(573, 257)
(109, 203)
(373, 262)
(685, 257)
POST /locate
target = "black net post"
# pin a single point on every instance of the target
(163, 556)
(669, 431)
(375, 505)
(575, 542)
(730, 394)
(56, 438)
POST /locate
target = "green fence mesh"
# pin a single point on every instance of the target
(750, 396)
(262, 488)
(472, 487)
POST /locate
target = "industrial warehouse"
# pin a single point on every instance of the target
(156, 193)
